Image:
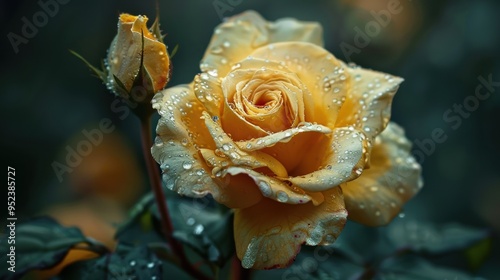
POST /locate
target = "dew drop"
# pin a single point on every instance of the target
(330, 238)
(401, 215)
(158, 142)
(358, 171)
(187, 165)
(216, 50)
(133, 263)
(213, 73)
(282, 196)
(265, 188)
(151, 265)
(225, 147)
(190, 221)
(198, 229)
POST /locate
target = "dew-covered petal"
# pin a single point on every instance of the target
(343, 160)
(378, 195)
(271, 187)
(325, 78)
(236, 38)
(265, 241)
(290, 29)
(368, 102)
(261, 97)
(207, 89)
(237, 191)
(281, 137)
(180, 133)
(225, 146)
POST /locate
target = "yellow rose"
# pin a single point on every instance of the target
(124, 57)
(286, 134)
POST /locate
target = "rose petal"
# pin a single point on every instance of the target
(209, 92)
(265, 241)
(377, 196)
(342, 161)
(180, 141)
(368, 103)
(323, 75)
(180, 134)
(241, 119)
(272, 187)
(227, 147)
(234, 39)
(281, 137)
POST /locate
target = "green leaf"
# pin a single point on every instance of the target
(141, 228)
(121, 87)
(320, 262)
(127, 262)
(477, 254)
(155, 28)
(421, 237)
(101, 74)
(174, 51)
(42, 243)
(204, 226)
(412, 267)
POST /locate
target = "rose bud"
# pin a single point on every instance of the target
(138, 61)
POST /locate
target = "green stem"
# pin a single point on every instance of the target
(155, 180)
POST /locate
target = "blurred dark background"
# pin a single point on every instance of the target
(441, 48)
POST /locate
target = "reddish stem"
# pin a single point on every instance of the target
(155, 180)
(237, 271)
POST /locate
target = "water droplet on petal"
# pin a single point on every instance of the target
(187, 165)
(216, 50)
(265, 188)
(158, 142)
(282, 196)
